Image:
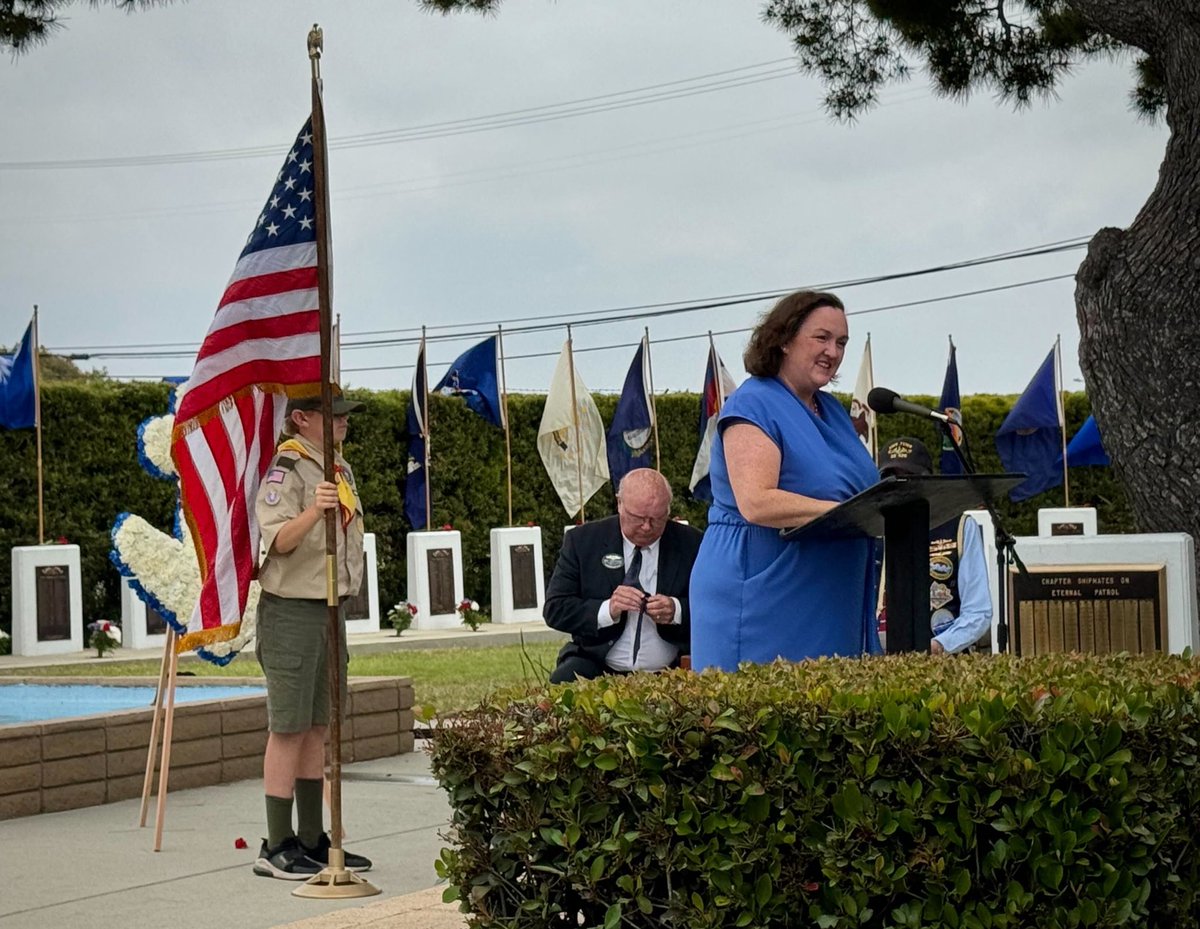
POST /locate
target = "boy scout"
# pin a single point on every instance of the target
(293, 626)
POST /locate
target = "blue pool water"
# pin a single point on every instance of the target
(26, 703)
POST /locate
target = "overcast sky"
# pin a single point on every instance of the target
(722, 190)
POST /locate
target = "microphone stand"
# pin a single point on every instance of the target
(1006, 545)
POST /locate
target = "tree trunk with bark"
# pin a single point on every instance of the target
(1137, 292)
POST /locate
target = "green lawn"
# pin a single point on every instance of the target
(448, 679)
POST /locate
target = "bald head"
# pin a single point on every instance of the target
(643, 505)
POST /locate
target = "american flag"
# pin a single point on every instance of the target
(263, 345)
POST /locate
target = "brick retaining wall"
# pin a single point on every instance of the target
(88, 760)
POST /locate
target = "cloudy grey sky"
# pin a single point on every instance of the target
(721, 190)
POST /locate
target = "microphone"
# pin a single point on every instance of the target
(882, 400)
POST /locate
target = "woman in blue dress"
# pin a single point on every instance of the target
(785, 453)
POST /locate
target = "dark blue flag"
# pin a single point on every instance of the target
(951, 405)
(1030, 438)
(1085, 447)
(417, 423)
(473, 377)
(633, 422)
(18, 387)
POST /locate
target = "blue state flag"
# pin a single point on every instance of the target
(629, 436)
(473, 377)
(1085, 448)
(416, 422)
(951, 405)
(1030, 438)
(18, 386)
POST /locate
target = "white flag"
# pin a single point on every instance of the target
(862, 415)
(558, 442)
(718, 385)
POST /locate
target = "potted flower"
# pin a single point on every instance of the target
(472, 615)
(401, 616)
(103, 636)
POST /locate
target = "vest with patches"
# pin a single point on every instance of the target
(945, 552)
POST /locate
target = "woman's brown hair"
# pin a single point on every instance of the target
(764, 355)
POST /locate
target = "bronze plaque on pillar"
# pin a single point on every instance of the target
(53, 584)
(441, 580)
(524, 577)
(155, 624)
(1097, 609)
(359, 606)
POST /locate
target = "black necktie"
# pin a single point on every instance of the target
(633, 579)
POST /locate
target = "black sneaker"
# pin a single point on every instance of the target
(286, 861)
(320, 855)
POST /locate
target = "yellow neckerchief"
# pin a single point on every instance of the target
(347, 498)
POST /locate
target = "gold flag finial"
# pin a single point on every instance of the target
(316, 41)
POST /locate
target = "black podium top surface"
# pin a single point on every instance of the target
(948, 496)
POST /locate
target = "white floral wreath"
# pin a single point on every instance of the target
(162, 569)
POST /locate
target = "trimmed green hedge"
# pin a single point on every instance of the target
(92, 474)
(905, 791)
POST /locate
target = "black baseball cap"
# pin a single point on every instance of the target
(341, 406)
(904, 457)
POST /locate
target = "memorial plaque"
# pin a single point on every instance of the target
(53, 602)
(524, 577)
(155, 624)
(359, 606)
(440, 563)
(1096, 609)
(1066, 528)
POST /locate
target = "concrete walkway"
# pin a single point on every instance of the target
(95, 868)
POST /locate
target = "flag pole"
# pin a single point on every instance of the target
(37, 422)
(504, 414)
(653, 406)
(1062, 416)
(425, 436)
(334, 881)
(575, 420)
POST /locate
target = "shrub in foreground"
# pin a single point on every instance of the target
(892, 792)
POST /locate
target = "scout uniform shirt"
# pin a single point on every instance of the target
(287, 490)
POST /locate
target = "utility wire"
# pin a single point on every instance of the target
(584, 106)
(538, 323)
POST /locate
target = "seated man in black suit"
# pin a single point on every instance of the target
(620, 587)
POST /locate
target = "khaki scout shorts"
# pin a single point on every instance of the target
(293, 648)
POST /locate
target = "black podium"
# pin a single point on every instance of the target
(902, 510)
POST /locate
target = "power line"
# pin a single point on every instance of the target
(584, 106)
(594, 317)
(961, 295)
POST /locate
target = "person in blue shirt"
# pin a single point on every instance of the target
(960, 604)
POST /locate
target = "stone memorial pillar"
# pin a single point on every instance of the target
(141, 626)
(518, 578)
(1066, 520)
(435, 580)
(362, 612)
(47, 600)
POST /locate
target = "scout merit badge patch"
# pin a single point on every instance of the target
(612, 560)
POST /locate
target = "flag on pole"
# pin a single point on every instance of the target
(417, 423)
(1085, 448)
(263, 345)
(572, 457)
(633, 422)
(18, 385)
(861, 414)
(718, 385)
(473, 377)
(1030, 438)
(951, 405)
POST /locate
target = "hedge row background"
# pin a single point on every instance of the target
(92, 474)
